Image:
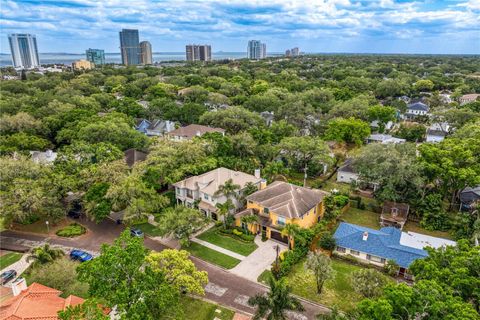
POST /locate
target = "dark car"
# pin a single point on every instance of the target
(136, 232)
(76, 211)
(8, 275)
(80, 255)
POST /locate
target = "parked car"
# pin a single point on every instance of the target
(134, 232)
(76, 211)
(7, 276)
(80, 255)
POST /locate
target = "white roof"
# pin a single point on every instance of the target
(420, 241)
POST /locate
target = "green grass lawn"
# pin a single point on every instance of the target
(336, 292)
(215, 237)
(9, 258)
(40, 226)
(364, 218)
(148, 229)
(195, 309)
(212, 256)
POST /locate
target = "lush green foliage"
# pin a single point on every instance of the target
(72, 230)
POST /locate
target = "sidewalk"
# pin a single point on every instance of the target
(219, 249)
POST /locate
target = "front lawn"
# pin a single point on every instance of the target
(215, 237)
(195, 309)
(336, 292)
(40, 226)
(148, 229)
(9, 259)
(212, 256)
(364, 218)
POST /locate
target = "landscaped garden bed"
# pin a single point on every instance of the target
(212, 256)
(229, 241)
(73, 230)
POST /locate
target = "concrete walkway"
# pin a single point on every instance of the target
(219, 249)
(259, 260)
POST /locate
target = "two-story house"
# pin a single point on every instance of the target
(280, 204)
(201, 190)
(416, 109)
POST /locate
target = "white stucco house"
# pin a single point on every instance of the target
(201, 190)
(347, 173)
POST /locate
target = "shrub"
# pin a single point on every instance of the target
(264, 236)
(327, 241)
(29, 219)
(340, 200)
(237, 233)
(72, 230)
(290, 258)
(391, 268)
(368, 282)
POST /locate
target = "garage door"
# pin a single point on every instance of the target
(278, 236)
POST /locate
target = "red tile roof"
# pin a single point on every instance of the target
(37, 302)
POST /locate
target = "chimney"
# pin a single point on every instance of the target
(18, 286)
(365, 236)
(49, 153)
(257, 173)
(198, 134)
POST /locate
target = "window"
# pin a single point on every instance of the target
(281, 221)
(205, 196)
(179, 191)
(341, 249)
(355, 252)
(375, 258)
(265, 210)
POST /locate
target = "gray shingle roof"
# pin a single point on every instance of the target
(287, 200)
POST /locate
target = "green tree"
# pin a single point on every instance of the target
(179, 270)
(292, 232)
(275, 304)
(181, 222)
(45, 254)
(349, 130)
(134, 288)
(412, 132)
(60, 274)
(423, 85)
(452, 164)
(320, 265)
(90, 309)
(382, 114)
(394, 168)
(233, 120)
(368, 282)
(304, 152)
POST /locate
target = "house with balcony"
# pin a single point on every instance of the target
(201, 191)
(279, 204)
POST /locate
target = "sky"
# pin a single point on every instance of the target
(350, 26)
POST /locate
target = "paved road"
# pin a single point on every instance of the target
(224, 287)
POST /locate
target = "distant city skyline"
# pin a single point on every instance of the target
(349, 26)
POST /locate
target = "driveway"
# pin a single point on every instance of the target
(259, 260)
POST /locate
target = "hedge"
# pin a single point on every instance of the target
(72, 230)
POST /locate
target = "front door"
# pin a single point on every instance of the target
(214, 216)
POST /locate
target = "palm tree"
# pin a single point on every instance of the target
(273, 306)
(292, 231)
(228, 189)
(224, 210)
(249, 219)
(45, 254)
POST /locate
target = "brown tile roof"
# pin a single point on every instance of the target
(35, 303)
(193, 130)
(288, 200)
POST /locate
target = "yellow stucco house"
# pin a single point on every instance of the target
(279, 204)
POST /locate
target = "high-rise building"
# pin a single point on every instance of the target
(96, 56)
(294, 52)
(146, 52)
(24, 50)
(288, 53)
(256, 50)
(130, 47)
(196, 52)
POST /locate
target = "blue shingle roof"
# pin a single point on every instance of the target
(384, 243)
(418, 106)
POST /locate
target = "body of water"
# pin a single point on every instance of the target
(68, 58)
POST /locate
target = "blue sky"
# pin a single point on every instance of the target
(383, 26)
